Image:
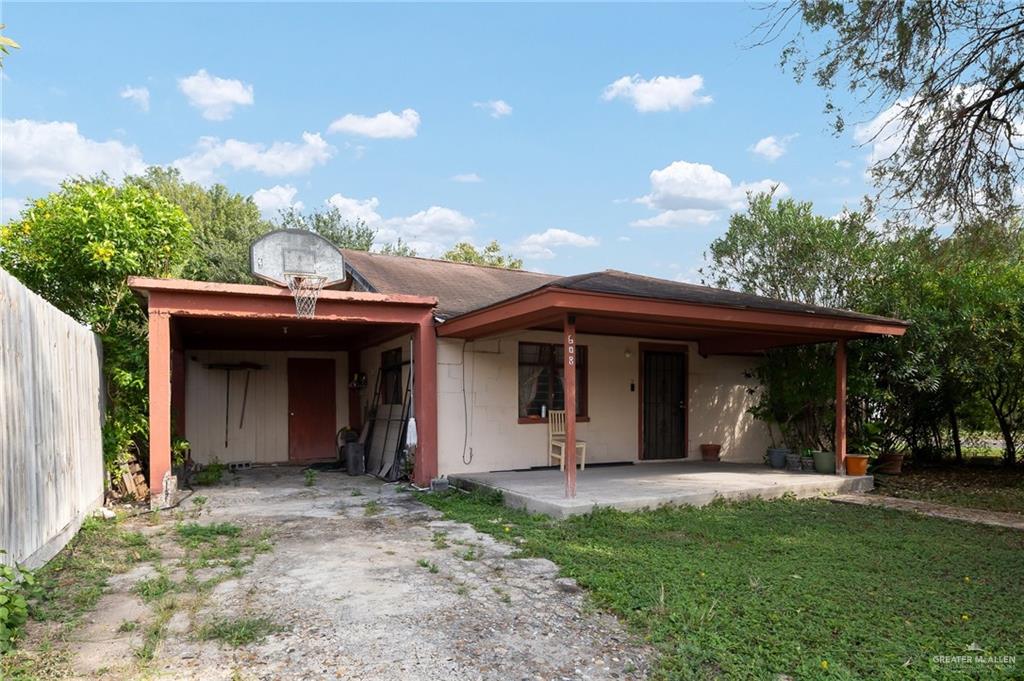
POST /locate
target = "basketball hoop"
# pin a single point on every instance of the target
(305, 289)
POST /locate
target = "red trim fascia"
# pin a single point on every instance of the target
(149, 285)
(547, 305)
(282, 307)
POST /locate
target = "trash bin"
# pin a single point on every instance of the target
(355, 463)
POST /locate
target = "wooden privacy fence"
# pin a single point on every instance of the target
(51, 415)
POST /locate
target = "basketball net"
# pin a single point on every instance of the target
(305, 289)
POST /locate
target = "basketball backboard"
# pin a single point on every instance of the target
(295, 252)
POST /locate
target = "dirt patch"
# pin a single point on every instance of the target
(362, 582)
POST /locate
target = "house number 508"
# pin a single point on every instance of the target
(571, 342)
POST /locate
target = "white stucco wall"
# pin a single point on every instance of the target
(478, 430)
(263, 437)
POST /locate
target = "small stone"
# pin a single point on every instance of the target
(105, 513)
(567, 584)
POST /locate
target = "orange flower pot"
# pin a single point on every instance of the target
(856, 464)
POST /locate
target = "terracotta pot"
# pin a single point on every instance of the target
(710, 452)
(890, 463)
(856, 464)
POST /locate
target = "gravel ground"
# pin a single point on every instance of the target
(367, 583)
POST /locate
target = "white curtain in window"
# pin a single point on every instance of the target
(529, 378)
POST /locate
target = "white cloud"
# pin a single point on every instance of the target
(772, 147)
(280, 158)
(385, 125)
(216, 98)
(48, 152)
(695, 193)
(882, 134)
(678, 218)
(430, 232)
(661, 93)
(467, 178)
(540, 245)
(275, 199)
(843, 163)
(357, 209)
(498, 108)
(10, 208)
(138, 95)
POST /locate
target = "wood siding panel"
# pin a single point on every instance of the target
(263, 437)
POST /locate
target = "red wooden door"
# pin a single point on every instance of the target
(311, 412)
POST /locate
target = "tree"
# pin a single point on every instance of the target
(399, 247)
(781, 249)
(947, 79)
(6, 45)
(76, 248)
(489, 255)
(224, 224)
(332, 225)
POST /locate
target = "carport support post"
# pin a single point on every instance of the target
(159, 402)
(425, 401)
(840, 406)
(569, 372)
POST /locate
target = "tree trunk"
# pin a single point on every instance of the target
(954, 427)
(1010, 448)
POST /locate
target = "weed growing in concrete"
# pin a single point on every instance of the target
(372, 507)
(128, 625)
(310, 474)
(472, 554)
(210, 475)
(238, 632)
(440, 540)
(423, 562)
(356, 493)
(154, 588)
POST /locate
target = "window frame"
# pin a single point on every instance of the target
(582, 379)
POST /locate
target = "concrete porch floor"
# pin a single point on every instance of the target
(633, 487)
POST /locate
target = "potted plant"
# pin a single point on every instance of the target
(864, 444)
(710, 452)
(890, 463)
(824, 462)
(806, 461)
(793, 460)
(776, 456)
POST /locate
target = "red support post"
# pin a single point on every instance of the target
(425, 401)
(841, 407)
(159, 400)
(569, 370)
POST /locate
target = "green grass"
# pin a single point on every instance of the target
(75, 579)
(153, 589)
(991, 488)
(238, 632)
(759, 589)
(372, 507)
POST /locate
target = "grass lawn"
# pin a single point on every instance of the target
(807, 589)
(992, 488)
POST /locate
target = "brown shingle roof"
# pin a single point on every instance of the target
(629, 284)
(458, 287)
(461, 288)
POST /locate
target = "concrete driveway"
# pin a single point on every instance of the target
(367, 583)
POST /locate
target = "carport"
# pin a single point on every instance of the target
(186, 316)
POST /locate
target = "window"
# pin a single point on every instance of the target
(541, 379)
(391, 376)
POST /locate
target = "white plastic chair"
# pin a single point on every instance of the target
(556, 441)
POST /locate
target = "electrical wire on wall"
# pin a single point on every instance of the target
(465, 409)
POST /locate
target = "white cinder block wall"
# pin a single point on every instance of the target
(478, 428)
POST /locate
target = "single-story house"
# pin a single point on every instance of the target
(476, 354)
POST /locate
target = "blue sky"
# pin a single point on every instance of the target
(592, 136)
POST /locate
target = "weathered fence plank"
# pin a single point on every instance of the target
(51, 416)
